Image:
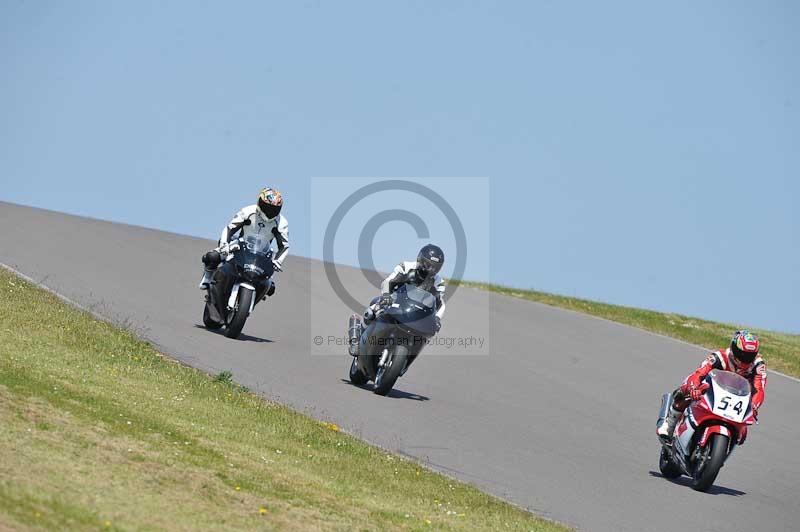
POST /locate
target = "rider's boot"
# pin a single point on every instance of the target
(207, 280)
(211, 260)
(271, 289)
(667, 428)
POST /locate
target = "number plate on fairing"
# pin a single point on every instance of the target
(729, 405)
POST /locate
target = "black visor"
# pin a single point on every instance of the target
(745, 357)
(429, 267)
(270, 211)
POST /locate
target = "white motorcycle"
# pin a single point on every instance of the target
(709, 429)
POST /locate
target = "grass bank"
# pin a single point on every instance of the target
(780, 350)
(100, 431)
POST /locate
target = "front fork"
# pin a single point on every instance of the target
(384, 357)
(232, 300)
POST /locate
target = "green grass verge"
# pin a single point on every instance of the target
(780, 350)
(100, 431)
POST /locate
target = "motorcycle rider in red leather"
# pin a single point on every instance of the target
(741, 357)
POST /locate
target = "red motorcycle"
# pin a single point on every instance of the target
(709, 429)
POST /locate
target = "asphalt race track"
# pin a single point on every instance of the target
(559, 418)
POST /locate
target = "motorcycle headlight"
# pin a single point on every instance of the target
(252, 272)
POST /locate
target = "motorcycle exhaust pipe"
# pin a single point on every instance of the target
(666, 401)
(354, 335)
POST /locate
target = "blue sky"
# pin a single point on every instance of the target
(638, 154)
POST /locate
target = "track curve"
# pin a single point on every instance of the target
(565, 429)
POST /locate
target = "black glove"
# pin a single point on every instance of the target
(438, 324)
(386, 300)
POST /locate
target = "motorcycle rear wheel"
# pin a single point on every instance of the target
(208, 322)
(667, 466)
(717, 450)
(357, 377)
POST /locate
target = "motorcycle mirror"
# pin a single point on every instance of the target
(248, 221)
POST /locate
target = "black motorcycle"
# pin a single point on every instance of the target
(384, 350)
(238, 284)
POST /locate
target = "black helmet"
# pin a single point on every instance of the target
(430, 260)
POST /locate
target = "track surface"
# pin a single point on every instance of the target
(565, 428)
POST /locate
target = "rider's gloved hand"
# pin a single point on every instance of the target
(696, 392)
(693, 381)
(386, 300)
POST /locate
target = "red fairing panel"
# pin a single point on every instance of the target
(701, 414)
(714, 429)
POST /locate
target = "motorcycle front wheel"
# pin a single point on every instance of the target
(387, 375)
(713, 457)
(236, 324)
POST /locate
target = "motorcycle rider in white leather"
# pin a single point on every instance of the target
(262, 217)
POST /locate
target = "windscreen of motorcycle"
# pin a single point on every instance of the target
(420, 297)
(254, 258)
(415, 309)
(731, 395)
(257, 243)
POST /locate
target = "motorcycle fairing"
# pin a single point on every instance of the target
(742, 401)
(413, 310)
(684, 432)
(223, 280)
(227, 280)
(373, 340)
(727, 393)
(409, 321)
(713, 429)
(701, 415)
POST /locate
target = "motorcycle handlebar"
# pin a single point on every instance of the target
(229, 247)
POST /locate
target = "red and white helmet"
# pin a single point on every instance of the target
(744, 347)
(270, 202)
